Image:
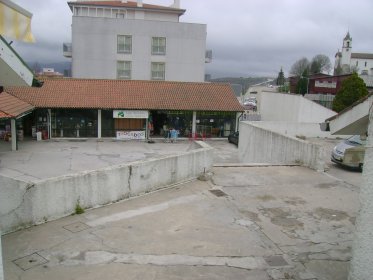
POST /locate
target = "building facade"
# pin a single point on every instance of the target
(135, 41)
(85, 108)
(346, 61)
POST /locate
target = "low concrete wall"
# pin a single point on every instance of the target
(294, 128)
(258, 145)
(23, 204)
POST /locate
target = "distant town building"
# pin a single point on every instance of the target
(135, 41)
(48, 73)
(346, 61)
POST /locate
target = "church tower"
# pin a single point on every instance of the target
(346, 52)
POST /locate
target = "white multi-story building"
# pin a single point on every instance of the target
(134, 40)
(346, 61)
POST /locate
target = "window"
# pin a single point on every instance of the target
(159, 45)
(124, 69)
(124, 44)
(158, 71)
(365, 64)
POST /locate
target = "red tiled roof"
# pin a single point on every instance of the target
(130, 94)
(4, 115)
(362, 55)
(123, 4)
(12, 107)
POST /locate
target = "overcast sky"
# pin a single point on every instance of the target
(248, 37)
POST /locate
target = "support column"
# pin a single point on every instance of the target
(99, 126)
(14, 134)
(50, 123)
(237, 121)
(362, 248)
(194, 123)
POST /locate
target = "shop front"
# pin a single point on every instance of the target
(130, 124)
(74, 108)
(215, 124)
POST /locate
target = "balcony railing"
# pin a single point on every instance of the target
(67, 49)
(208, 56)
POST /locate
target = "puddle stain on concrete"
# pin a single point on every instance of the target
(331, 214)
(282, 218)
(266, 197)
(295, 201)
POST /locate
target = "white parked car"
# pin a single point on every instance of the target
(350, 152)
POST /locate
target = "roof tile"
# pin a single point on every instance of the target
(130, 94)
(12, 107)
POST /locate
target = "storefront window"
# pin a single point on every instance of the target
(215, 124)
(162, 121)
(74, 123)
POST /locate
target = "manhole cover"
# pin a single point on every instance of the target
(76, 227)
(276, 261)
(30, 261)
(218, 193)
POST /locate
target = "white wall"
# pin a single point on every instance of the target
(291, 108)
(362, 249)
(258, 145)
(12, 70)
(94, 48)
(1, 261)
(23, 204)
(296, 128)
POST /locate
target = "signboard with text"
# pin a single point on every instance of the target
(130, 114)
(131, 135)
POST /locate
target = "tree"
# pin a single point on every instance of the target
(352, 89)
(280, 78)
(302, 85)
(320, 64)
(300, 66)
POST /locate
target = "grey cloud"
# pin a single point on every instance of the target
(253, 37)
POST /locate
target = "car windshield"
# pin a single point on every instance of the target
(356, 139)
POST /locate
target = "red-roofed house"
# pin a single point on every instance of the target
(128, 109)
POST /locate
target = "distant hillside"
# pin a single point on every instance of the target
(244, 82)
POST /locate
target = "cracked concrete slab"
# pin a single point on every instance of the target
(275, 223)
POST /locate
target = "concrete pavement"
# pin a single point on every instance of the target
(261, 223)
(46, 159)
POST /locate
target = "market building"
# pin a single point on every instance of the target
(83, 108)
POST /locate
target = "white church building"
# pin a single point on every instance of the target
(347, 61)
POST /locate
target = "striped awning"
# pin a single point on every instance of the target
(15, 22)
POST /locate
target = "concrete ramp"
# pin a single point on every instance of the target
(353, 120)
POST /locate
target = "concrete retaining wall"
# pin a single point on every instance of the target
(296, 128)
(258, 145)
(23, 204)
(291, 108)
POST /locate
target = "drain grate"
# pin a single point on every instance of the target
(218, 193)
(276, 261)
(30, 261)
(76, 227)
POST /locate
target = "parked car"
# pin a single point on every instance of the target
(250, 104)
(350, 152)
(233, 138)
